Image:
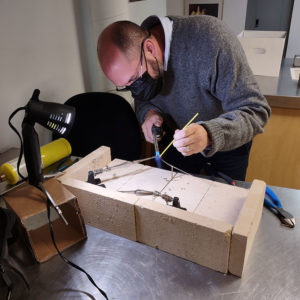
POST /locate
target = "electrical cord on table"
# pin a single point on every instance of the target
(42, 188)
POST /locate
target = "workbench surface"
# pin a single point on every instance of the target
(283, 85)
(129, 270)
(281, 91)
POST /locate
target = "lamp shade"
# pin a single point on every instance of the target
(54, 116)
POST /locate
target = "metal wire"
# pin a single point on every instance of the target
(175, 167)
(107, 168)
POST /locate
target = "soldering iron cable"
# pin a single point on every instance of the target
(18, 134)
(58, 251)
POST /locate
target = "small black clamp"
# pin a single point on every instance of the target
(174, 200)
(176, 203)
(91, 179)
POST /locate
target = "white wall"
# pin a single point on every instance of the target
(234, 14)
(140, 10)
(294, 37)
(102, 13)
(39, 49)
(175, 7)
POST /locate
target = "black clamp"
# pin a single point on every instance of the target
(176, 203)
(175, 200)
(91, 179)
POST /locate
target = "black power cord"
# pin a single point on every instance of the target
(212, 172)
(21, 142)
(42, 188)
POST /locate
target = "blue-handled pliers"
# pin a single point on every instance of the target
(275, 206)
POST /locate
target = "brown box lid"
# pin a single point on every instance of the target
(28, 200)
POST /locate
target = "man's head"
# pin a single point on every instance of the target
(126, 51)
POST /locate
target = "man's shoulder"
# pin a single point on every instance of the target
(208, 25)
(208, 28)
(197, 20)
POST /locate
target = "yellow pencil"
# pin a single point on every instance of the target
(189, 122)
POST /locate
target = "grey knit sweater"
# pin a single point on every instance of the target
(208, 73)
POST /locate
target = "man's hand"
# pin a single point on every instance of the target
(193, 139)
(152, 118)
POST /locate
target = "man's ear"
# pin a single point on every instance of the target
(149, 47)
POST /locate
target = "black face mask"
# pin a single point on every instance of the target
(145, 87)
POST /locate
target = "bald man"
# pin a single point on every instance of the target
(178, 66)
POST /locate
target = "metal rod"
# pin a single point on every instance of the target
(107, 168)
(176, 168)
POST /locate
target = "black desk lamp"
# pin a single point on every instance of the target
(54, 116)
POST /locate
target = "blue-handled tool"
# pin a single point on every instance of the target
(275, 206)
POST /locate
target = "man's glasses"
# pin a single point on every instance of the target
(128, 87)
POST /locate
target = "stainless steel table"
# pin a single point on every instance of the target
(281, 91)
(283, 85)
(130, 270)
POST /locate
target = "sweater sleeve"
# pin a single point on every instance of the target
(245, 109)
(141, 109)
